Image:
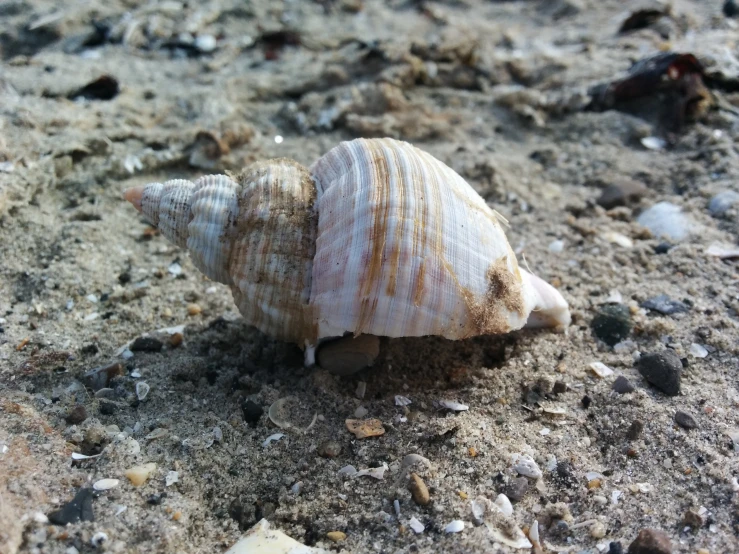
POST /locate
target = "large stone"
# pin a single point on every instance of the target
(651, 541)
(662, 370)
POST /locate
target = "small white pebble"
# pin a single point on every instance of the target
(396, 506)
(171, 478)
(272, 438)
(615, 495)
(453, 406)
(653, 143)
(556, 246)
(92, 298)
(545, 431)
(105, 484)
(455, 526)
(601, 369)
(525, 465)
(297, 488)
(142, 390)
(278, 139)
(206, 43)
(174, 269)
(98, 539)
(360, 412)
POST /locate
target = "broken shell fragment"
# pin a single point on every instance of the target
(262, 539)
(377, 238)
(290, 413)
(365, 428)
(139, 474)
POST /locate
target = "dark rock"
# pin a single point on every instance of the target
(108, 407)
(146, 344)
(156, 499)
(622, 385)
(102, 88)
(663, 248)
(559, 387)
(329, 449)
(76, 415)
(612, 323)
(621, 194)
(685, 420)
(650, 541)
(665, 305)
(731, 8)
(693, 519)
(586, 401)
(634, 430)
(252, 412)
(615, 548)
(77, 509)
(663, 370)
(565, 474)
(516, 489)
(100, 377)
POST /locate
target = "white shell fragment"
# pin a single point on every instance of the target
(455, 526)
(374, 472)
(290, 414)
(105, 484)
(272, 438)
(262, 539)
(698, 350)
(416, 525)
(453, 406)
(377, 238)
(171, 478)
(526, 466)
(601, 369)
(402, 400)
(504, 504)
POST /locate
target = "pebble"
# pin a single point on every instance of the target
(622, 193)
(634, 430)
(419, 490)
(360, 412)
(206, 43)
(722, 202)
(146, 344)
(597, 530)
(653, 143)
(402, 400)
(194, 309)
(272, 438)
(685, 420)
(365, 428)
(105, 484)
(77, 509)
(612, 323)
(336, 536)
(601, 369)
(665, 220)
(693, 519)
(731, 8)
(171, 478)
(651, 541)
(665, 305)
(139, 474)
(252, 412)
(525, 465)
(556, 246)
(698, 350)
(615, 548)
(453, 406)
(415, 461)
(76, 415)
(329, 449)
(622, 385)
(663, 370)
(142, 390)
(99, 539)
(516, 488)
(107, 407)
(455, 526)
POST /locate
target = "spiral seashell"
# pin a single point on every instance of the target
(377, 238)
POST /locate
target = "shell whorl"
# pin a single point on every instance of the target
(377, 238)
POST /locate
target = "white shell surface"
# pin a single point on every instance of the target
(406, 247)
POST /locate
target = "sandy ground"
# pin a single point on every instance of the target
(498, 91)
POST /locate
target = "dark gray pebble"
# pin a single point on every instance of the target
(77, 509)
(615, 548)
(665, 305)
(516, 489)
(108, 407)
(663, 248)
(634, 430)
(663, 370)
(622, 193)
(76, 415)
(651, 541)
(252, 412)
(146, 344)
(622, 385)
(731, 8)
(612, 323)
(685, 420)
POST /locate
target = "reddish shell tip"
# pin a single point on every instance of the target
(134, 195)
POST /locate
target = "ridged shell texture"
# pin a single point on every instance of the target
(378, 238)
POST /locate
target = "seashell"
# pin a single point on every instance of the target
(377, 238)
